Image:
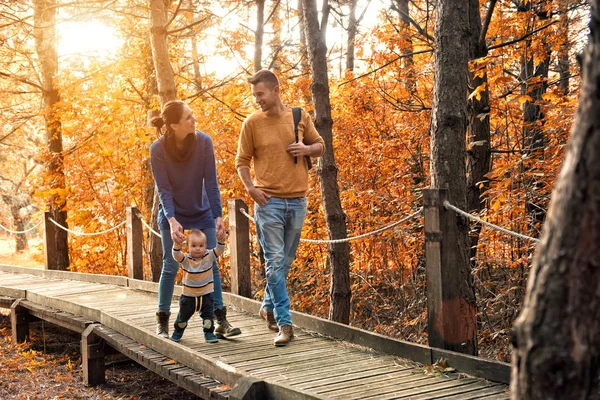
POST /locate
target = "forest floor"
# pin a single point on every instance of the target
(49, 367)
(33, 257)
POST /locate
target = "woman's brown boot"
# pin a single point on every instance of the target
(162, 324)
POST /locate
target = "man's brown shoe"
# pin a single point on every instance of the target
(270, 318)
(286, 333)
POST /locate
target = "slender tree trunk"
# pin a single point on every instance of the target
(535, 84)
(303, 46)
(196, 63)
(556, 339)
(276, 43)
(448, 131)
(15, 204)
(338, 254)
(150, 195)
(160, 51)
(167, 91)
(478, 132)
(46, 42)
(563, 51)
(259, 34)
(407, 62)
(352, 28)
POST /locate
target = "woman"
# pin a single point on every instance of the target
(183, 166)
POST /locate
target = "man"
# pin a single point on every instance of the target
(278, 190)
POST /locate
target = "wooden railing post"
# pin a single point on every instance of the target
(443, 289)
(135, 266)
(239, 239)
(50, 250)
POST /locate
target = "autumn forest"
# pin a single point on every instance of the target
(81, 79)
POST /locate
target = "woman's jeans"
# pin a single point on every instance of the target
(278, 226)
(166, 285)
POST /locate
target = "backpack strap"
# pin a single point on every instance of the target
(297, 113)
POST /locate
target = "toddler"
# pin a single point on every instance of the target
(197, 283)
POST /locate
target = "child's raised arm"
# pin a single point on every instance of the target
(177, 253)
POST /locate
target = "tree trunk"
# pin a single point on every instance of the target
(276, 43)
(45, 43)
(448, 131)
(352, 28)
(15, 204)
(150, 195)
(160, 51)
(338, 254)
(563, 51)
(556, 339)
(167, 91)
(196, 63)
(407, 62)
(535, 84)
(478, 131)
(303, 46)
(259, 34)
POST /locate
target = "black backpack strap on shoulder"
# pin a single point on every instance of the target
(297, 113)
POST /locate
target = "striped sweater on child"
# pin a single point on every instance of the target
(197, 272)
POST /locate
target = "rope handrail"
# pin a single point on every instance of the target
(348, 239)
(148, 226)
(18, 232)
(77, 233)
(488, 224)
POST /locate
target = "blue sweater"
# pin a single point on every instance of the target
(188, 191)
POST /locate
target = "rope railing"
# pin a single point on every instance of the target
(348, 239)
(78, 233)
(488, 224)
(19, 232)
(148, 226)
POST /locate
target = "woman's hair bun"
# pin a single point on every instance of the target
(157, 122)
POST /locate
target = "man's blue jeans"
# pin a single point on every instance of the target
(278, 226)
(166, 285)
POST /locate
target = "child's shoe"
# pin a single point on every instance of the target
(209, 337)
(178, 331)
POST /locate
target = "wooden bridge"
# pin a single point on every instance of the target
(326, 360)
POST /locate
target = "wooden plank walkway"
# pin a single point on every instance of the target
(312, 366)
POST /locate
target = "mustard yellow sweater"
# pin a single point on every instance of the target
(263, 140)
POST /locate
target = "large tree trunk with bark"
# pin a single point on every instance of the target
(478, 131)
(448, 131)
(46, 43)
(338, 254)
(556, 338)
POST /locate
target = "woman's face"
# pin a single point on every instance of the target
(186, 125)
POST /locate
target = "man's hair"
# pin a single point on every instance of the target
(265, 76)
(198, 233)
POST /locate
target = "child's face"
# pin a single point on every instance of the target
(196, 246)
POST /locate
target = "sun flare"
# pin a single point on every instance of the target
(90, 38)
